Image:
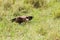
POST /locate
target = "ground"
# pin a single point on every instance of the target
(44, 25)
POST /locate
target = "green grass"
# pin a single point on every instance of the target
(44, 26)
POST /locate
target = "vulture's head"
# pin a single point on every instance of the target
(29, 17)
(22, 19)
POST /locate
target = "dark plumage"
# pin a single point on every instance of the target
(22, 19)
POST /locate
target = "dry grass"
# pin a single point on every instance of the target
(44, 25)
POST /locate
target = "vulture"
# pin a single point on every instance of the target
(22, 19)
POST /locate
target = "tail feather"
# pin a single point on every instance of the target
(13, 19)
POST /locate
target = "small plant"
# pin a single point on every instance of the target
(7, 6)
(1, 19)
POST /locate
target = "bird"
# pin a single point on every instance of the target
(22, 19)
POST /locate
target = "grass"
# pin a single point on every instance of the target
(44, 25)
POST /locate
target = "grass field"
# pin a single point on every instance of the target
(44, 26)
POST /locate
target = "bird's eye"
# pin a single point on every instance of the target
(27, 19)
